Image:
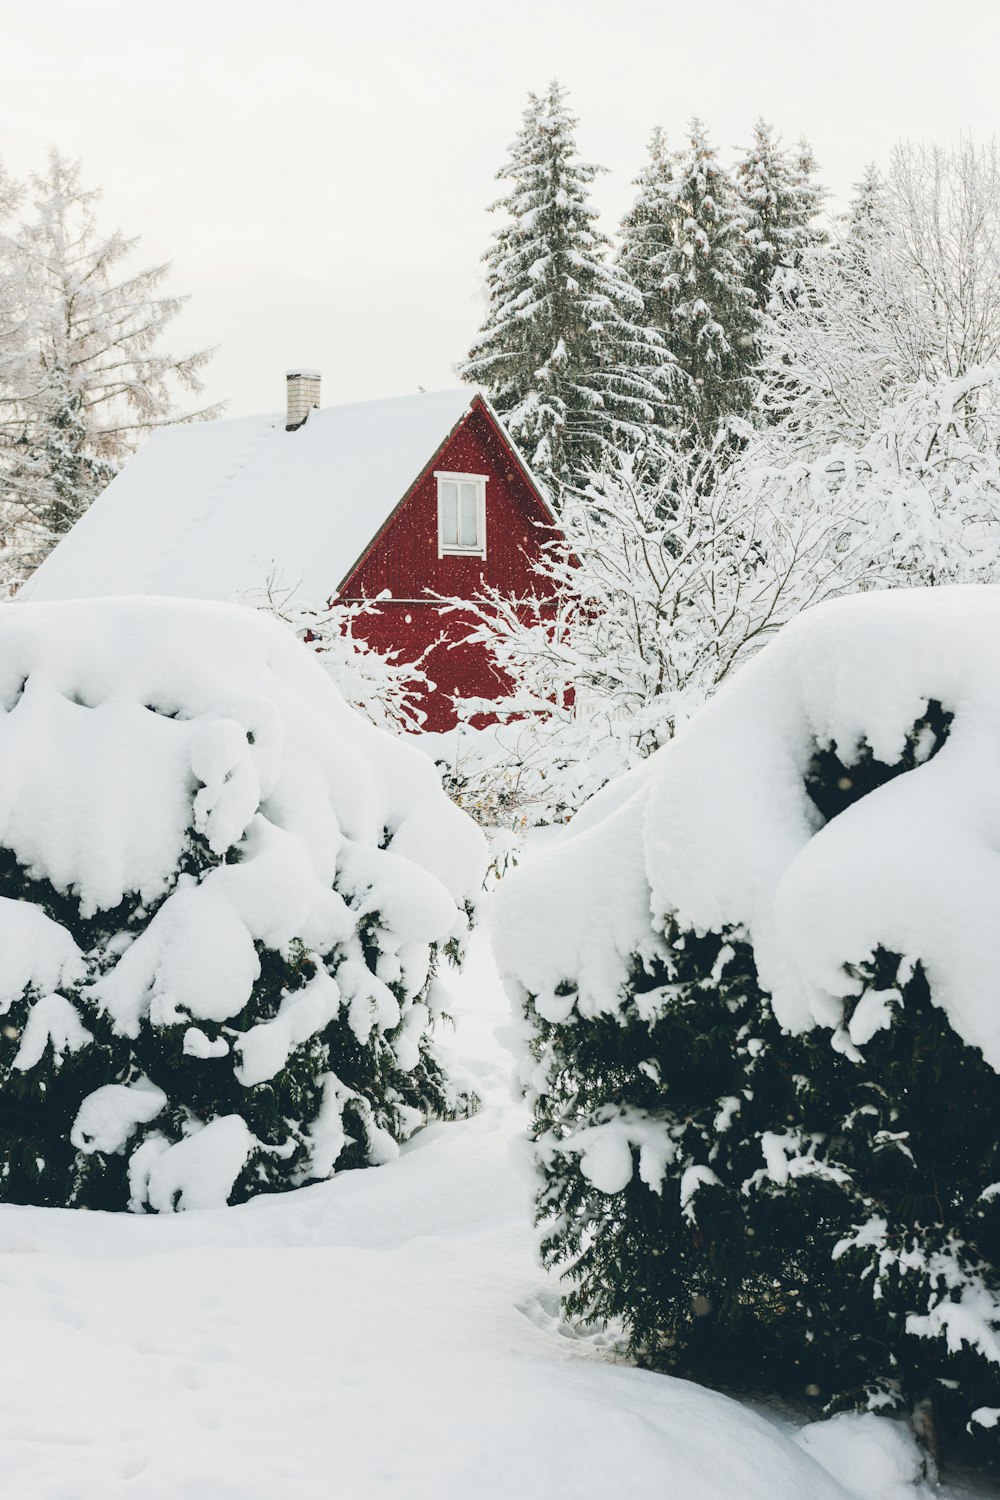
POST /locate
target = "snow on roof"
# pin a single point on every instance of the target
(210, 510)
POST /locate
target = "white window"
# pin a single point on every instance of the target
(461, 515)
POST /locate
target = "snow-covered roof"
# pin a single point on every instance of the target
(210, 510)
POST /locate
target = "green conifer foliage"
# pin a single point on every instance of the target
(56, 467)
(649, 229)
(208, 988)
(780, 201)
(868, 210)
(683, 246)
(818, 1213)
(565, 353)
(50, 1157)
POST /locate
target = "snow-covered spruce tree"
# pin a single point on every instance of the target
(780, 202)
(223, 900)
(868, 210)
(565, 351)
(52, 473)
(812, 194)
(762, 1043)
(649, 229)
(683, 246)
(91, 376)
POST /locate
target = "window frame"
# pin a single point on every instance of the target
(480, 481)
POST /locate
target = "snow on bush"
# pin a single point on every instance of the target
(223, 897)
(389, 691)
(759, 976)
(669, 571)
(671, 575)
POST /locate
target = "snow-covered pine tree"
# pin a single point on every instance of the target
(91, 376)
(649, 229)
(767, 1086)
(780, 201)
(683, 246)
(224, 897)
(868, 209)
(53, 472)
(813, 195)
(862, 237)
(565, 352)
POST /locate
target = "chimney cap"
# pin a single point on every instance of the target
(300, 373)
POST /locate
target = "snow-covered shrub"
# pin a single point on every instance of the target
(674, 574)
(223, 896)
(496, 772)
(763, 1038)
(389, 691)
(669, 572)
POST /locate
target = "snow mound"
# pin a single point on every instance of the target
(873, 1458)
(718, 829)
(197, 839)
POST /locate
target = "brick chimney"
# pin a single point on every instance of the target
(302, 387)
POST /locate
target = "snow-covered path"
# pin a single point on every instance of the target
(387, 1334)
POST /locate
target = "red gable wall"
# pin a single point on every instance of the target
(403, 558)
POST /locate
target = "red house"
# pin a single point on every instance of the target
(405, 501)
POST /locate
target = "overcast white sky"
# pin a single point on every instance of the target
(320, 180)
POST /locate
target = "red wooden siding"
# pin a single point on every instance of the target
(403, 558)
(456, 668)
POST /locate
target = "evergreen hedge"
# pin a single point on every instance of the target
(815, 1213)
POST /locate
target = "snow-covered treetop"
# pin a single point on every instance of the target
(648, 229)
(867, 211)
(683, 246)
(83, 374)
(780, 202)
(718, 829)
(565, 351)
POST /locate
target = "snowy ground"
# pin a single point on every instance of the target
(385, 1334)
